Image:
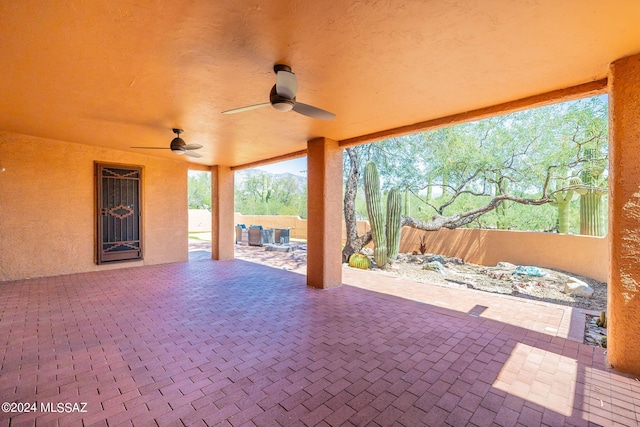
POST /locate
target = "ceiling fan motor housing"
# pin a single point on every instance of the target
(177, 145)
(280, 103)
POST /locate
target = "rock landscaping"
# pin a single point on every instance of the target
(530, 282)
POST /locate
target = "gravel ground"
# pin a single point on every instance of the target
(500, 279)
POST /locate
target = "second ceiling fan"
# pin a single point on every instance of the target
(178, 146)
(283, 97)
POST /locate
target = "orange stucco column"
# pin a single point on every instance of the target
(324, 206)
(222, 227)
(623, 332)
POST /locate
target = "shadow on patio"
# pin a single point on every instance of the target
(237, 343)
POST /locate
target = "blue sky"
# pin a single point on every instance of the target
(295, 166)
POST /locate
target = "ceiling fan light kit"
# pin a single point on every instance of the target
(283, 97)
(280, 103)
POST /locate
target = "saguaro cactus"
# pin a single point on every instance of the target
(591, 192)
(394, 208)
(563, 201)
(407, 203)
(563, 197)
(386, 239)
(376, 216)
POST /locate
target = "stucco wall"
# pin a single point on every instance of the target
(583, 255)
(199, 220)
(47, 207)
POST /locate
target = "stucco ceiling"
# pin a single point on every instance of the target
(120, 73)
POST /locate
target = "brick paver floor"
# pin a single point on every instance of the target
(240, 344)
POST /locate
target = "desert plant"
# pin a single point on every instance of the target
(602, 320)
(407, 203)
(423, 244)
(376, 216)
(591, 190)
(359, 260)
(563, 197)
(394, 223)
(386, 238)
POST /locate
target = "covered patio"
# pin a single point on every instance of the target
(235, 343)
(93, 91)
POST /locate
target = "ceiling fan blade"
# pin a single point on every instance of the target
(192, 147)
(286, 84)
(314, 112)
(247, 108)
(192, 154)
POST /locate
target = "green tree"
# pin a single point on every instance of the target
(199, 189)
(463, 175)
(266, 194)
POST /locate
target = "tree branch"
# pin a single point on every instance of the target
(464, 218)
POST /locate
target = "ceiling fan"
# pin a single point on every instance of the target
(283, 97)
(178, 146)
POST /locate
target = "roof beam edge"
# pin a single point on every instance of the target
(584, 90)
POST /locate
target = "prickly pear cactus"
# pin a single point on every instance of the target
(376, 216)
(394, 220)
(358, 260)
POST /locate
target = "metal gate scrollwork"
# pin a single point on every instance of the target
(118, 200)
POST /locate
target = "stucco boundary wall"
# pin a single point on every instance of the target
(582, 255)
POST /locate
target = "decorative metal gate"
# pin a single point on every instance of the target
(118, 208)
